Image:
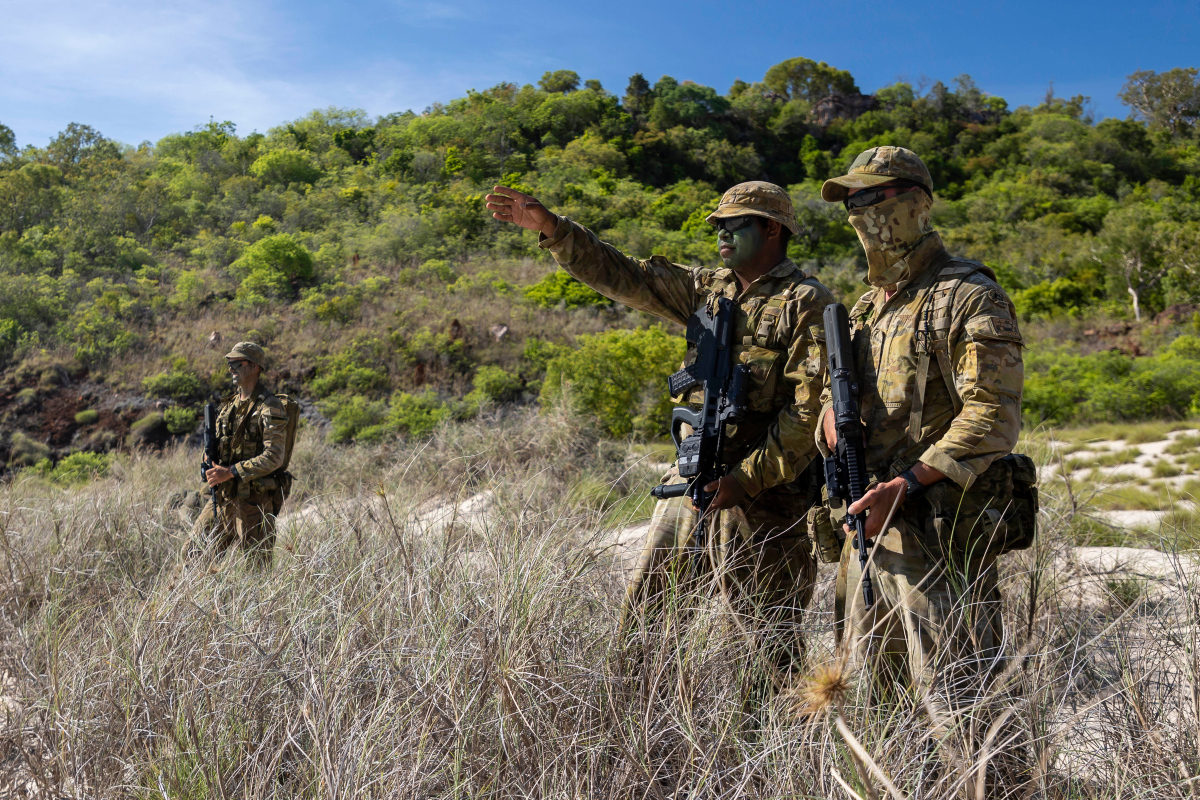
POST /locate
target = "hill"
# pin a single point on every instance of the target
(358, 251)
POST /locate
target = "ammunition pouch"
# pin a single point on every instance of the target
(997, 515)
(827, 536)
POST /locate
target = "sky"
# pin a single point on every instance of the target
(137, 70)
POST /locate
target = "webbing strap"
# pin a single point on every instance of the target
(918, 406)
(941, 347)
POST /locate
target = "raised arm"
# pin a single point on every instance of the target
(654, 285)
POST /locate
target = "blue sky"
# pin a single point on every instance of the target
(139, 69)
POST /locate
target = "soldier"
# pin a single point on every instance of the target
(252, 440)
(938, 355)
(767, 565)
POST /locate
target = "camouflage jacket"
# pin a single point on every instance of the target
(779, 334)
(948, 316)
(252, 434)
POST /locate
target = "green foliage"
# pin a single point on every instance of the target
(89, 416)
(285, 167)
(272, 267)
(75, 468)
(560, 289)
(1061, 295)
(496, 384)
(358, 419)
(1061, 387)
(181, 420)
(355, 370)
(25, 451)
(619, 377)
(177, 384)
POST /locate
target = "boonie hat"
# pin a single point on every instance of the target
(758, 199)
(875, 167)
(249, 351)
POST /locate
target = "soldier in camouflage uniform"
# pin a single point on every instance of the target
(938, 355)
(766, 564)
(251, 436)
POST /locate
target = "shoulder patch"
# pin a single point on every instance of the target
(989, 327)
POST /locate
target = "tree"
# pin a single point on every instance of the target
(805, 79)
(8, 143)
(639, 97)
(79, 144)
(1168, 99)
(560, 81)
(1132, 242)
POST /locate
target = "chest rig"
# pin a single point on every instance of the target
(240, 436)
(933, 314)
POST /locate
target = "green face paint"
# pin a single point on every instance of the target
(741, 246)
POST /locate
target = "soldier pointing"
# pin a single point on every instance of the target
(764, 547)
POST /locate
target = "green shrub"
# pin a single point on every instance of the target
(75, 468)
(176, 384)
(149, 431)
(1104, 387)
(438, 270)
(272, 267)
(560, 289)
(620, 377)
(88, 416)
(355, 418)
(25, 451)
(419, 414)
(1060, 296)
(284, 167)
(353, 371)
(181, 420)
(496, 384)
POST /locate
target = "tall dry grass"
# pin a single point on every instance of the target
(442, 621)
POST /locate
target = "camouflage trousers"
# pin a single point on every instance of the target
(759, 560)
(247, 523)
(935, 626)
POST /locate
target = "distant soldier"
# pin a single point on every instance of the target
(938, 355)
(766, 563)
(250, 479)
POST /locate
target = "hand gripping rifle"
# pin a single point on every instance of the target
(211, 452)
(846, 467)
(724, 382)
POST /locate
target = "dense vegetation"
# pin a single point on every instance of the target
(359, 252)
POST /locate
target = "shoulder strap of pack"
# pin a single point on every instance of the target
(292, 409)
(950, 274)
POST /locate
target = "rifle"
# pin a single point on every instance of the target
(846, 467)
(724, 382)
(211, 452)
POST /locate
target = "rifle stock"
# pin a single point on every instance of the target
(846, 467)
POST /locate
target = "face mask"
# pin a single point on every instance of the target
(888, 231)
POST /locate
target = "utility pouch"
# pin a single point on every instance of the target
(284, 479)
(827, 545)
(998, 514)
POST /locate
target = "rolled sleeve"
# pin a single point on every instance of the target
(989, 375)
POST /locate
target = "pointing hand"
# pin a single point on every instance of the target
(509, 205)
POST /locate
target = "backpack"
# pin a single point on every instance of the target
(282, 477)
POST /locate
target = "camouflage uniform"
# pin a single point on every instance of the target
(251, 436)
(936, 620)
(764, 554)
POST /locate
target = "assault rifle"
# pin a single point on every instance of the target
(211, 453)
(724, 382)
(846, 467)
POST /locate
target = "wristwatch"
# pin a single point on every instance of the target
(915, 487)
(233, 469)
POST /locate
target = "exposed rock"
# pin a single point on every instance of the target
(498, 332)
(842, 106)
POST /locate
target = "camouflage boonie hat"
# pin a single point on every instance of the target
(875, 167)
(249, 351)
(759, 199)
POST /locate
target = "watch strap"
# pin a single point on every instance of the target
(915, 487)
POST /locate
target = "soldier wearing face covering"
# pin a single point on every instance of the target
(763, 556)
(938, 355)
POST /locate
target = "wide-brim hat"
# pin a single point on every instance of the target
(757, 199)
(250, 352)
(875, 167)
